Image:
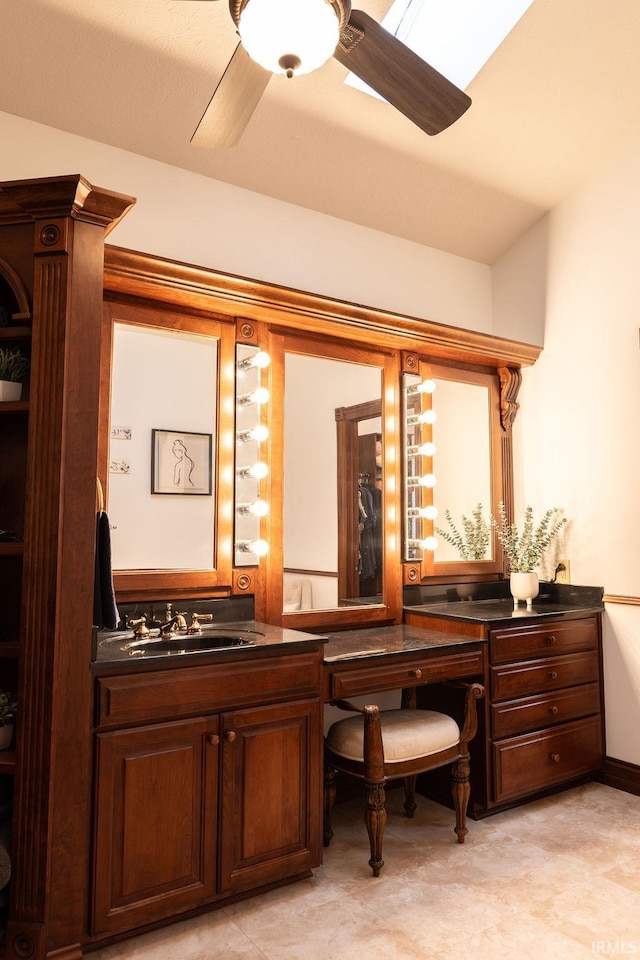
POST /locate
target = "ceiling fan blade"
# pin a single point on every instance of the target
(399, 75)
(233, 102)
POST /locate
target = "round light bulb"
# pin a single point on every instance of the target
(429, 513)
(258, 547)
(257, 471)
(261, 395)
(429, 543)
(289, 36)
(428, 480)
(258, 361)
(427, 417)
(427, 386)
(259, 508)
(427, 449)
(258, 433)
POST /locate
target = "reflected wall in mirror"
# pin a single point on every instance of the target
(452, 465)
(463, 467)
(333, 481)
(161, 379)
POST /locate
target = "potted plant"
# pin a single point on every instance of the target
(13, 367)
(472, 541)
(523, 550)
(8, 704)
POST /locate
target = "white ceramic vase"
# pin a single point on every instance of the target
(524, 586)
(9, 390)
(6, 736)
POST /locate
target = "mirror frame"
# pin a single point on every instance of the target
(281, 343)
(153, 584)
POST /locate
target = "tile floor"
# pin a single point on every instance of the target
(558, 878)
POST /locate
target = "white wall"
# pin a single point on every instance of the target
(577, 430)
(184, 216)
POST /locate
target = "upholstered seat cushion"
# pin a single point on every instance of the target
(406, 735)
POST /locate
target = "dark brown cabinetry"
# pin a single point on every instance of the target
(51, 260)
(197, 810)
(546, 725)
(541, 721)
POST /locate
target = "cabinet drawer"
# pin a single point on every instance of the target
(525, 764)
(550, 639)
(531, 713)
(189, 691)
(538, 676)
(394, 676)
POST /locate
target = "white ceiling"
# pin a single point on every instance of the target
(557, 99)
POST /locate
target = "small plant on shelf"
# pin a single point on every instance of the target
(13, 364)
(8, 704)
(523, 550)
(472, 542)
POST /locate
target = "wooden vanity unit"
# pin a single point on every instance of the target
(543, 713)
(147, 790)
(208, 781)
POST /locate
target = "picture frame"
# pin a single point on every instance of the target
(181, 463)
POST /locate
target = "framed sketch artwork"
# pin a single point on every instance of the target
(181, 462)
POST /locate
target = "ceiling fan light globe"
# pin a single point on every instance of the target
(276, 32)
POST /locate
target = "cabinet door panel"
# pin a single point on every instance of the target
(271, 794)
(156, 817)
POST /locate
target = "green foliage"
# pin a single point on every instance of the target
(13, 364)
(8, 704)
(473, 541)
(523, 551)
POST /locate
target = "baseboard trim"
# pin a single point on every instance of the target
(621, 775)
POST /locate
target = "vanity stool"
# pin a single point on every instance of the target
(377, 746)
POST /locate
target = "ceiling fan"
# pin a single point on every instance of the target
(297, 36)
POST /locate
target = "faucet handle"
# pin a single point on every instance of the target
(140, 628)
(197, 619)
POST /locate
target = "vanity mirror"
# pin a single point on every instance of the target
(452, 465)
(167, 438)
(338, 439)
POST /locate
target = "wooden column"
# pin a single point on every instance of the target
(51, 835)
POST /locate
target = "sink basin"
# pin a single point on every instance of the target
(190, 644)
(216, 639)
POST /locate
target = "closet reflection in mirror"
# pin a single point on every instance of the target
(333, 476)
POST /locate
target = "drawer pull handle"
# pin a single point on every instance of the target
(553, 710)
(416, 673)
(230, 736)
(555, 757)
(213, 738)
(550, 639)
(553, 674)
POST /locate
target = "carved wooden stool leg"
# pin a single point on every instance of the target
(375, 818)
(460, 789)
(329, 800)
(410, 795)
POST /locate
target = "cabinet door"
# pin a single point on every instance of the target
(271, 794)
(155, 829)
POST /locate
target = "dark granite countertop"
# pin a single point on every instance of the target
(495, 610)
(379, 641)
(120, 646)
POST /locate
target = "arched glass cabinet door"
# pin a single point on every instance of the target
(335, 555)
